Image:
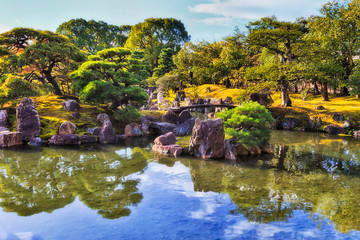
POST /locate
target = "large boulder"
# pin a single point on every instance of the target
(357, 135)
(161, 128)
(290, 123)
(207, 140)
(145, 125)
(166, 139)
(3, 118)
(132, 130)
(183, 116)
(170, 150)
(76, 115)
(339, 117)
(28, 121)
(67, 128)
(185, 128)
(9, 139)
(162, 102)
(102, 118)
(107, 133)
(170, 117)
(334, 129)
(70, 105)
(65, 139)
(94, 131)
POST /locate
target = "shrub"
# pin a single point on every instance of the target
(15, 87)
(248, 124)
(127, 115)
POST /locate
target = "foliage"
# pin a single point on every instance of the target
(15, 87)
(248, 124)
(92, 35)
(111, 76)
(127, 115)
(165, 63)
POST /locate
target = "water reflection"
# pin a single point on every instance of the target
(45, 179)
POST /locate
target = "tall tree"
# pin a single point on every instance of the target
(94, 36)
(112, 75)
(154, 34)
(284, 40)
(338, 31)
(40, 55)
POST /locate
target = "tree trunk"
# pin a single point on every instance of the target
(296, 90)
(344, 91)
(324, 91)
(316, 88)
(285, 99)
(52, 81)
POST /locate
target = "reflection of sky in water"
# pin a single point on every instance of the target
(170, 209)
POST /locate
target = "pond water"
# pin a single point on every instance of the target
(309, 189)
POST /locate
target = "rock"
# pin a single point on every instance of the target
(132, 130)
(36, 141)
(338, 117)
(255, 150)
(188, 101)
(70, 105)
(228, 100)
(290, 123)
(3, 118)
(208, 90)
(28, 121)
(184, 116)
(319, 108)
(357, 135)
(121, 137)
(102, 118)
(9, 139)
(153, 95)
(76, 115)
(207, 140)
(268, 150)
(230, 150)
(154, 108)
(166, 139)
(350, 123)
(161, 127)
(88, 139)
(94, 131)
(162, 102)
(170, 117)
(262, 98)
(145, 125)
(185, 128)
(67, 128)
(334, 129)
(170, 150)
(107, 133)
(241, 150)
(65, 139)
(315, 123)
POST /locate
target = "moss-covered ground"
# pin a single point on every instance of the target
(52, 114)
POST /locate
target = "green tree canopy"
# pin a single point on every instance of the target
(112, 75)
(94, 36)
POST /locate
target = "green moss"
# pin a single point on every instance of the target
(183, 141)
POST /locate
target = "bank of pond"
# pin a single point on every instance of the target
(308, 189)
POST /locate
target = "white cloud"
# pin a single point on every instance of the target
(228, 10)
(4, 28)
(219, 21)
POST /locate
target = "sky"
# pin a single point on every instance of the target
(205, 20)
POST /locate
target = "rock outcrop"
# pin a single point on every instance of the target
(88, 139)
(70, 105)
(334, 129)
(102, 118)
(3, 119)
(165, 145)
(185, 128)
(107, 133)
(207, 140)
(184, 116)
(9, 139)
(28, 121)
(132, 130)
(65, 139)
(67, 128)
(170, 117)
(291, 123)
(94, 131)
(161, 128)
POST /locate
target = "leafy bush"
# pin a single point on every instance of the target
(15, 87)
(248, 124)
(127, 115)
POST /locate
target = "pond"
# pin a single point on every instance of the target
(309, 189)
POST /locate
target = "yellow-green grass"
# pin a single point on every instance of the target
(52, 114)
(349, 106)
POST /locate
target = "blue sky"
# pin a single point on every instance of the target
(204, 19)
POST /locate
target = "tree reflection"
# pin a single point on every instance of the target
(44, 180)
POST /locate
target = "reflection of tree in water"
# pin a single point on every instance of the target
(301, 177)
(36, 181)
